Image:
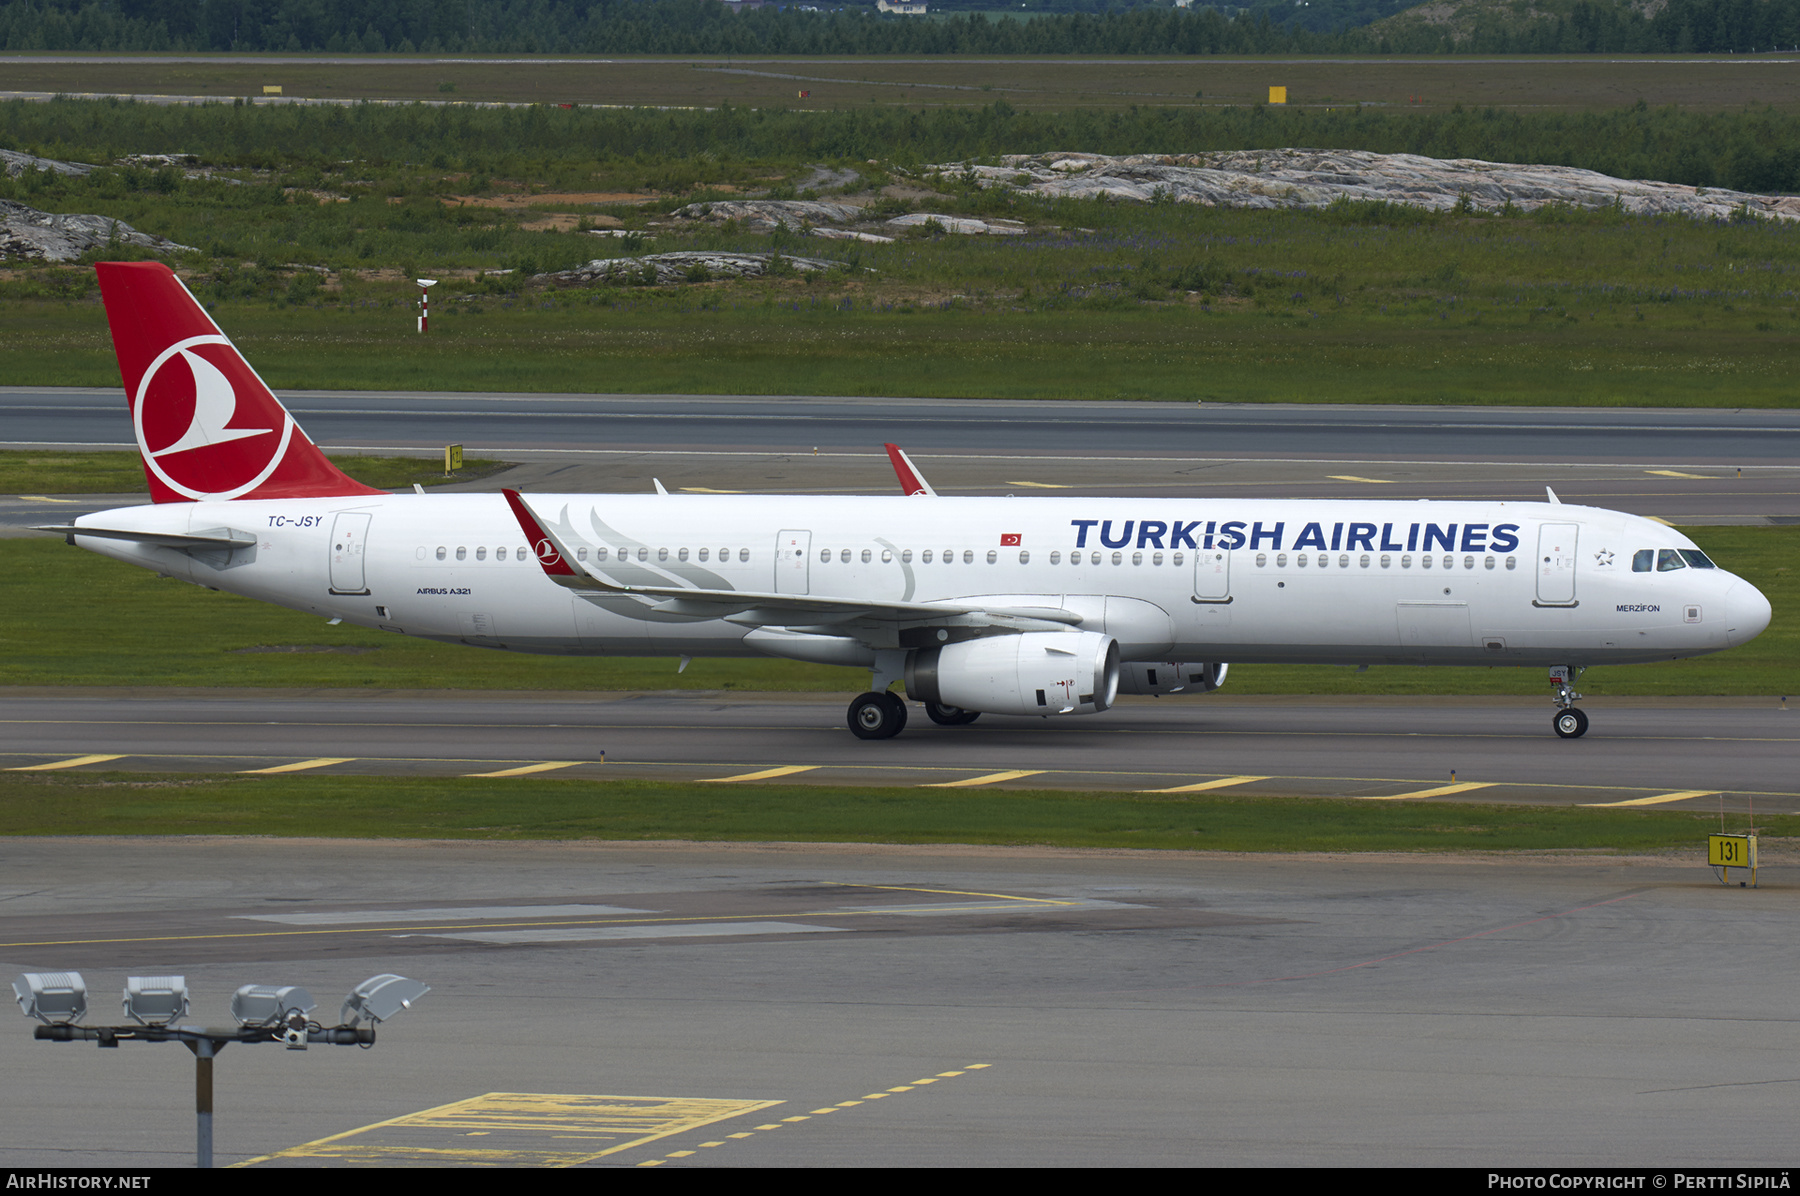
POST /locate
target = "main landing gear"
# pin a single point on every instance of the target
(877, 715)
(950, 716)
(1569, 722)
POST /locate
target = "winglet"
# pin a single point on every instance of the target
(1551, 495)
(911, 481)
(549, 550)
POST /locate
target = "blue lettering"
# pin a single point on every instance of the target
(1081, 535)
(1362, 535)
(1106, 534)
(1311, 536)
(1474, 537)
(1181, 535)
(1258, 535)
(1438, 535)
(1150, 533)
(1504, 540)
(1387, 533)
(1412, 538)
(1337, 535)
(1231, 535)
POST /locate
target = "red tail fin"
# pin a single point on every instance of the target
(207, 426)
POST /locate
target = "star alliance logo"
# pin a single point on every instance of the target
(1604, 557)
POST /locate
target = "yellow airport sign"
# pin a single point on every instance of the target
(1277, 95)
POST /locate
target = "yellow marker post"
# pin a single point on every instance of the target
(452, 458)
(1725, 852)
(1277, 95)
(271, 89)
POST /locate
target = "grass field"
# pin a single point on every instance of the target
(1572, 82)
(166, 632)
(40, 472)
(413, 808)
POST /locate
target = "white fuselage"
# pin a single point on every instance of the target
(1238, 580)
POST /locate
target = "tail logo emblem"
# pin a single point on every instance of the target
(184, 411)
(546, 552)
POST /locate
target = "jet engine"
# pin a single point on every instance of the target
(1170, 677)
(1034, 672)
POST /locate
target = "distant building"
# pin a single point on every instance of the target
(906, 8)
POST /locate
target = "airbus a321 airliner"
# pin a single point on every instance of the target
(1008, 606)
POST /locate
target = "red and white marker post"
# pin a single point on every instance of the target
(425, 285)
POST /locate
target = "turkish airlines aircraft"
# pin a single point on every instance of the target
(1015, 606)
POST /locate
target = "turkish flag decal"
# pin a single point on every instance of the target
(1009, 540)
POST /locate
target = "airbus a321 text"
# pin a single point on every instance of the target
(1006, 606)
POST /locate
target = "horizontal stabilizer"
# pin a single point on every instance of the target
(219, 537)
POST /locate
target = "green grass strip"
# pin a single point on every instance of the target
(117, 803)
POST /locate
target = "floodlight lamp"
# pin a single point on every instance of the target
(380, 997)
(54, 998)
(155, 1000)
(269, 1004)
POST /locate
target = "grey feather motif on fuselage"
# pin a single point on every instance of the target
(623, 571)
(905, 568)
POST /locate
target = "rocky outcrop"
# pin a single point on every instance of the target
(967, 226)
(766, 215)
(1302, 178)
(16, 164)
(664, 269)
(30, 235)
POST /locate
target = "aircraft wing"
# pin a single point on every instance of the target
(750, 608)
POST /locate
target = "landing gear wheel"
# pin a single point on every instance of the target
(877, 716)
(950, 716)
(1571, 723)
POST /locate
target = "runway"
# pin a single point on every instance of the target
(1695, 753)
(652, 1005)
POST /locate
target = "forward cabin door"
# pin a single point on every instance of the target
(1212, 575)
(793, 556)
(1556, 564)
(349, 532)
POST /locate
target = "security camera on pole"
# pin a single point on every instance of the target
(425, 285)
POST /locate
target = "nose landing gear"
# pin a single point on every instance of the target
(1569, 722)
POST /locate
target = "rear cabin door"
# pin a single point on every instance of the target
(349, 533)
(1212, 575)
(1556, 564)
(793, 556)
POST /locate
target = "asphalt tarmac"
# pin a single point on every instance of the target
(648, 1005)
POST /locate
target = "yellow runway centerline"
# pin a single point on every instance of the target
(786, 770)
(525, 769)
(1349, 477)
(299, 766)
(1440, 791)
(1656, 800)
(77, 762)
(1203, 786)
(1011, 774)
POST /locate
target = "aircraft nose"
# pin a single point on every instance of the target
(1747, 612)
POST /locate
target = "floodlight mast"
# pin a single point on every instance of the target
(264, 1013)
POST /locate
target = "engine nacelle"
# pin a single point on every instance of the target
(1035, 672)
(1170, 677)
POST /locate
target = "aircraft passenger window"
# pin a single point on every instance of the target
(1299, 560)
(1642, 559)
(925, 557)
(704, 552)
(462, 553)
(520, 555)
(743, 554)
(1468, 562)
(1512, 562)
(662, 554)
(886, 556)
(682, 555)
(1424, 562)
(1668, 560)
(499, 554)
(844, 556)
(1343, 560)
(1137, 558)
(1281, 561)
(481, 553)
(1093, 558)
(1406, 562)
(1176, 560)
(906, 556)
(1024, 557)
(968, 556)
(1386, 561)
(1118, 558)
(1324, 560)
(600, 554)
(1056, 558)
(581, 554)
(1490, 562)
(1363, 561)
(1697, 559)
(724, 555)
(643, 554)
(993, 556)
(825, 556)
(1156, 558)
(441, 554)
(865, 556)
(1449, 562)
(1262, 560)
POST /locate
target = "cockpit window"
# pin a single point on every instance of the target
(1642, 560)
(1697, 559)
(1668, 560)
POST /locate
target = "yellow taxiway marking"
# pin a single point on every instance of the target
(1657, 800)
(45, 498)
(1440, 791)
(786, 770)
(77, 762)
(1674, 473)
(1350, 477)
(1659, 519)
(705, 490)
(523, 769)
(300, 766)
(1011, 774)
(531, 1123)
(1203, 786)
(1039, 485)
